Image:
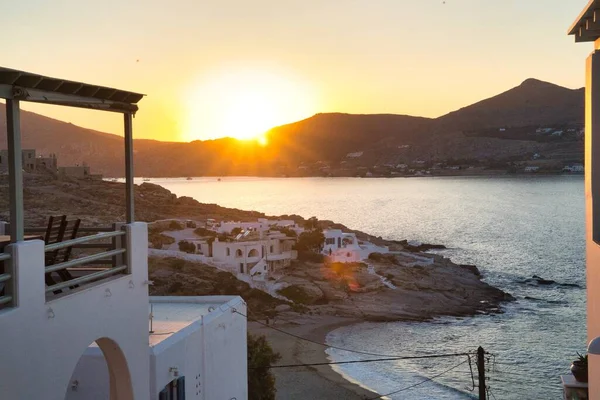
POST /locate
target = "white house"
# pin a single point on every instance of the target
(256, 254)
(193, 343)
(345, 247)
(70, 329)
(261, 225)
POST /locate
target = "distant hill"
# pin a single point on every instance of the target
(327, 137)
(533, 102)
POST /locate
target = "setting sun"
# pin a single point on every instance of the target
(244, 104)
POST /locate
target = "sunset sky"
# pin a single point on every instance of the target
(236, 67)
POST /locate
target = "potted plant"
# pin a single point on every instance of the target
(579, 368)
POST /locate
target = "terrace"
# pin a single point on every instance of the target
(82, 289)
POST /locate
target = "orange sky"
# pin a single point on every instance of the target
(234, 67)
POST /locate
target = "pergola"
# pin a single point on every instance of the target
(587, 26)
(17, 86)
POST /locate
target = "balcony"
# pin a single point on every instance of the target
(286, 255)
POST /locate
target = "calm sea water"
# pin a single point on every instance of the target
(510, 227)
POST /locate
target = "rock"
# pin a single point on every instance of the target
(283, 308)
(472, 268)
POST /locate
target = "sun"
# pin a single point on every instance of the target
(245, 103)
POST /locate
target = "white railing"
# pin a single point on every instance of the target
(113, 260)
(6, 281)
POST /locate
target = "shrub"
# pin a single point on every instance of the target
(295, 294)
(186, 246)
(177, 264)
(204, 232)
(311, 241)
(261, 382)
(175, 226)
(311, 257)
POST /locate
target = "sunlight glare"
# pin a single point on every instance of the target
(244, 104)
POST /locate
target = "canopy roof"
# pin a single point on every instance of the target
(587, 26)
(21, 85)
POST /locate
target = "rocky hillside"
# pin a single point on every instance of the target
(419, 287)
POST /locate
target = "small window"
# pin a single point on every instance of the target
(228, 252)
(271, 249)
(238, 253)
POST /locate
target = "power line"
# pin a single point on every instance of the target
(350, 350)
(330, 363)
(420, 383)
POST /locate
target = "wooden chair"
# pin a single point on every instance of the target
(69, 232)
(54, 234)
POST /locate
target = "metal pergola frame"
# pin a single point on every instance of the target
(17, 86)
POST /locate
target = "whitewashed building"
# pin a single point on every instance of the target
(345, 247)
(94, 333)
(261, 225)
(256, 254)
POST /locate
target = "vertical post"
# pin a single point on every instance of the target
(129, 167)
(592, 198)
(481, 371)
(15, 169)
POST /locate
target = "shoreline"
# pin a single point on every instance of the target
(486, 174)
(315, 382)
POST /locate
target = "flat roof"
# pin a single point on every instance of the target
(27, 86)
(586, 27)
(172, 314)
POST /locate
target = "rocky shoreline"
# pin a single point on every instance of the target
(312, 298)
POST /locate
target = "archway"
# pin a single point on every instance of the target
(101, 372)
(238, 253)
(253, 253)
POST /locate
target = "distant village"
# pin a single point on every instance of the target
(33, 162)
(402, 161)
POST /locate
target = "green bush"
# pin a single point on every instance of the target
(186, 246)
(311, 257)
(204, 232)
(178, 264)
(175, 226)
(295, 294)
(261, 382)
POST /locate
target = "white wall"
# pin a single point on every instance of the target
(210, 353)
(42, 342)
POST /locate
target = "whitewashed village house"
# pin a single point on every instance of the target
(255, 253)
(345, 247)
(97, 334)
(261, 225)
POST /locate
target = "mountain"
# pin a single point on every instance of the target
(471, 132)
(533, 102)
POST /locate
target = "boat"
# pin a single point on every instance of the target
(146, 179)
(219, 180)
(189, 178)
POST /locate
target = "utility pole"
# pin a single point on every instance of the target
(481, 371)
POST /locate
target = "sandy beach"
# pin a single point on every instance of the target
(319, 382)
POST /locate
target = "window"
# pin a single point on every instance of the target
(253, 253)
(271, 249)
(175, 390)
(330, 241)
(228, 252)
(238, 253)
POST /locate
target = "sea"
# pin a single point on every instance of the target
(511, 227)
